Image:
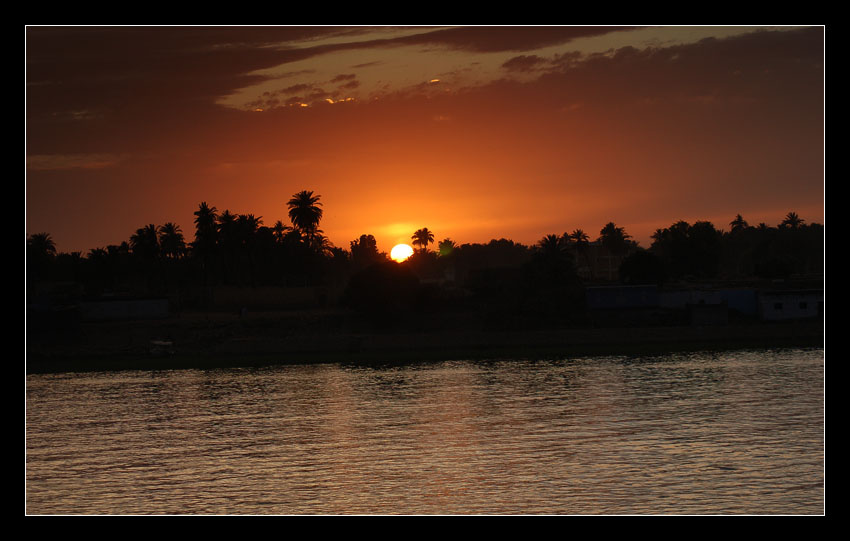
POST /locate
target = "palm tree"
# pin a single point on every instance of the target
(247, 226)
(614, 239)
(205, 218)
(171, 241)
(552, 262)
(320, 244)
(738, 224)
(145, 243)
(228, 243)
(245, 229)
(280, 230)
(581, 243)
(792, 220)
(225, 220)
(447, 246)
(41, 245)
(305, 212)
(423, 237)
(97, 254)
(41, 252)
(206, 237)
(205, 228)
(580, 239)
(550, 244)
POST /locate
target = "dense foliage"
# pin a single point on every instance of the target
(239, 250)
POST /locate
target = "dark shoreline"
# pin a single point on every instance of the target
(233, 343)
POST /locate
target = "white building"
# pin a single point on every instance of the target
(790, 304)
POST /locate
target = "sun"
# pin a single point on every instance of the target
(400, 252)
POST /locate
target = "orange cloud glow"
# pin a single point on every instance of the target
(474, 133)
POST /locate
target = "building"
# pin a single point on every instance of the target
(777, 305)
(741, 300)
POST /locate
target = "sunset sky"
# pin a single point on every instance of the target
(474, 132)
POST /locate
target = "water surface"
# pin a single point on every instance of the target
(707, 433)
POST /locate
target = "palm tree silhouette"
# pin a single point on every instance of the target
(580, 239)
(41, 252)
(145, 243)
(614, 239)
(171, 241)
(581, 242)
(550, 244)
(423, 237)
(792, 220)
(321, 244)
(305, 212)
(96, 253)
(280, 230)
(206, 238)
(225, 220)
(247, 226)
(738, 224)
(227, 230)
(552, 262)
(41, 244)
(447, 246)
(205, 228)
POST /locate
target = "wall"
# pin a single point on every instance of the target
(741, 300)
(780, 305)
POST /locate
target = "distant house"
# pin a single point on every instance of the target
(743, 300)
(777, 305)
(623, 305)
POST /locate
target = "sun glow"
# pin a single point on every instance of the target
(400, 252)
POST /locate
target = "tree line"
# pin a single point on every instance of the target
(240, 250)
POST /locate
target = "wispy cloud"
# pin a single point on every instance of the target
(61, 162)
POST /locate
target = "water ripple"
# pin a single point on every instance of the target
(738, 433)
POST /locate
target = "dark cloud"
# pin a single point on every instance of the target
(488, 39)
(351, 85)
(524, 63)
(294, 89)
(343, 77)
(759, 65)
(367, 65)
(98, 68)
(319, 94)
(167, 69)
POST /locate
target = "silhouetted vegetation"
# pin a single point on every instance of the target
(503, 283)
(643, 267)
(422, 238)
(364, 252)
(384, 289)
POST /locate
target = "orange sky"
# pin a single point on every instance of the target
(475, 133)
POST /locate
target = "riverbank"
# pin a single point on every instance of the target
(227, 340)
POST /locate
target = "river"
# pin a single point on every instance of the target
(737, 432)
